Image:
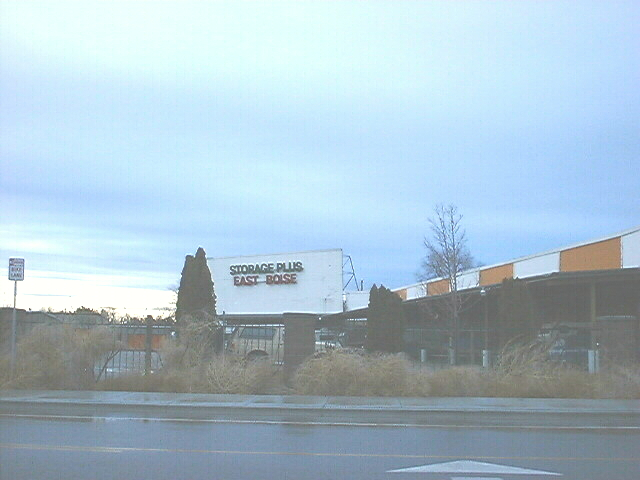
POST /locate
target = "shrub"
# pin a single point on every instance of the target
(339, 373)
(461, 381)
(193, 346)
(61, 357)
(618, 381)
(527, 371)
(523, 371)
(235, 375)
(56, 357)
(386, 322)
(219, 375)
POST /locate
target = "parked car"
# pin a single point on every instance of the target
(125, 362)
(354, 337)
(258, 341)
(569, 342)
(326, 339)
(267, 341)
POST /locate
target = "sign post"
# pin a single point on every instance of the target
(16, 273)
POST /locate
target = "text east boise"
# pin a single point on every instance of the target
(278, 273)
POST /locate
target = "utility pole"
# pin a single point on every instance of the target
(148, 344)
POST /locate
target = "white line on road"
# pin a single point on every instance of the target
(105, 449)
(317, 423)
(475, 478)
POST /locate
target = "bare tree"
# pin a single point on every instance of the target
(447, 252)
(446, 258)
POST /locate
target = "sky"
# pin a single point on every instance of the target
(131, 133)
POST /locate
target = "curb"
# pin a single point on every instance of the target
(445, 412)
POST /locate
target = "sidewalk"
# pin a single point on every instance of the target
(498, 412)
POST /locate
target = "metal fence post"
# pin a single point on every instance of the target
(594, 361)
(147, 346)
(423, 355)
(486, 358)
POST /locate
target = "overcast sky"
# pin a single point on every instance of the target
(132, 133)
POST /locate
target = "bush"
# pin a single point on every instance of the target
(522, 371)
(618, 381)
(461, 381)
(386, 322)
(62, 357)
(57, 357)
(527, 371)
(193, 346)
(338, 373)
(219, 375)
(234, 375)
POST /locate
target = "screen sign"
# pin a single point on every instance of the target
(271, 273)
(273, 283)
(16, 269)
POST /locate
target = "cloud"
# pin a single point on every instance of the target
(131, 134)
(48, 291)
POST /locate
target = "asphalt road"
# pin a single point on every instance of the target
(120, 448)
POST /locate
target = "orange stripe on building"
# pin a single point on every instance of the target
(494, 275)
(603, 255)
(402, 293)
(137, 341)
(438, 287)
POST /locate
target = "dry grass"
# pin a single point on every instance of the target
(461, 381)
(57, 357)
(60, 357)
(63, 358)
(526, 371)
(338, 373)
(233, 375)
(190, 366)
(521, 371)
(192, 348)
(219, 375)
(618, 381)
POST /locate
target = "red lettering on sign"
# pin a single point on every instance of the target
(245, 280)
(276, 279)
(282, 279)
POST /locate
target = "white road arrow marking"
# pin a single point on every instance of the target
(475, 478)
(469, 466)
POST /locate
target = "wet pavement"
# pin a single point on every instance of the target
(298, 408)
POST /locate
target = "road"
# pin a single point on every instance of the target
(103, 448)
